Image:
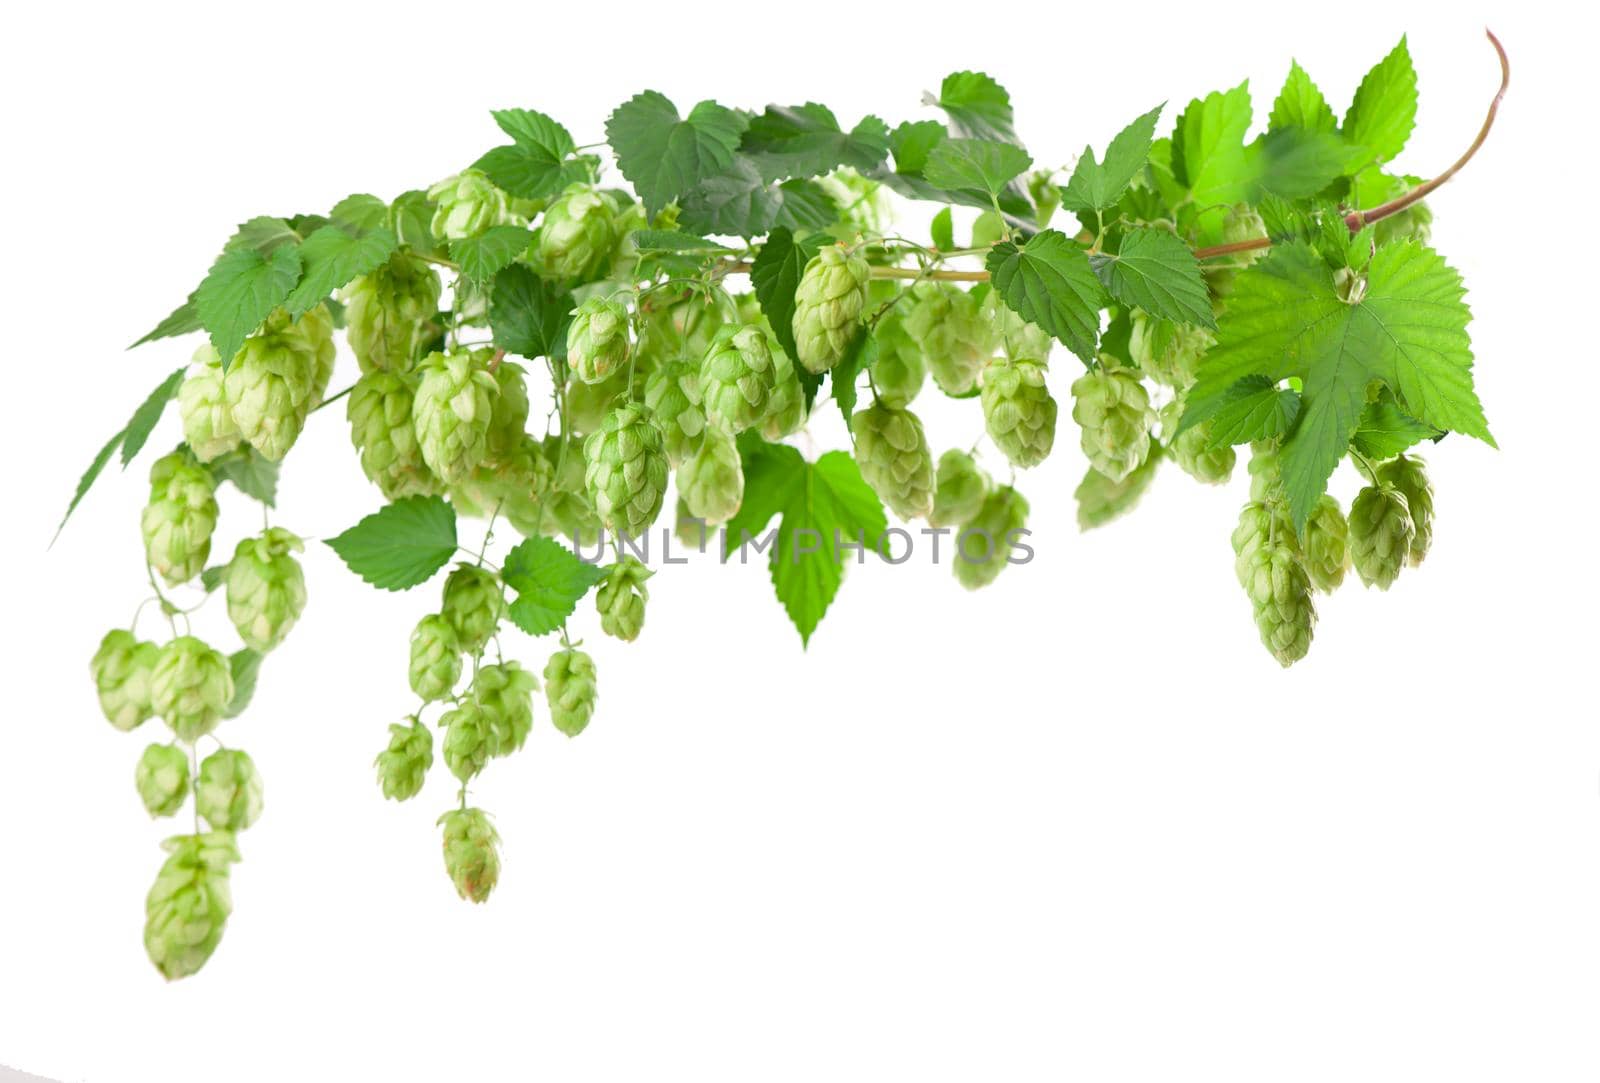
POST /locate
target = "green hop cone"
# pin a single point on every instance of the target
(899, 371)
(690, 530)
(711, 481)
(1018, 411)
(520, 484)
(597, 339)
(208, 426)
(435, 658)
(1409, 476)
(672, 395)
(188, 905)
(681, 328)
(569, 687)
(122, 668)
(1191, 449)
(1243, 223)
(626, 470)
(738, 377)
(1266, 477)
(620, 598)
(577, 234)
(1275, 578)
(314, 332)
(179, 518)
(865, 208)
(1113, 410)
(786, 407)
(468, 204)
(452, 412)
(382, 430)
(983, 544)
(960, 487)
(467, 740)
(403, 764)
(474, 604)
(162, 779)
(227, 792)
(955, 336)
(829, 305)
(1415, 223)
(1327, 545)
(190, 687)
(1167, 352)
(893, 454)
(508, 419)
(265, 587)
(271, 385)
(389, 314)
(567, 510)
(1018, 338)
(471, 852)
(504, 694)
(1381, 532)
(588, 404)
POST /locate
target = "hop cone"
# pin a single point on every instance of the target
(389, 313)
(519, 484)
(314, 332)
(786, 408)
(829, 303)
(955, 337)
(382, 431)
(190, 687)
(569, 687)
(620, 598)
(467, 741)
(682, 329)
(208, 426)
(1327, 545)
(1191, 448)
(1409, 476)
(984, 542)
(271, 385)
(468, 204)
(189, 904)
(577, 234)
(1018, 411)
(471, 852)
(435, 658)
(597, 339)
(893, 454)
(1381, 532)
(1243, 223)
(959, 490)
(688, 527)
(474, 604)
(672, 395)
(266, 588)
(1266, 477)
(1018, 338)
(508, 419)
(504, 695)
(711, 481)
(452, 412)
(122, 668)
(567, 511)
(626, 472)
(588, 404)
(1280, 594)
(1167, 352)
(179, 518)
(864, 205)
(737, 378)
(1113, 410)
(162, 779)
(228, 791)
(899, 371)
(403, 765)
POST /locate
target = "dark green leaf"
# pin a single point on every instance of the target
(1048, 281)
(1157, 272)
(775, 275)
(975, 163)
(251, 472)
(978, 106)
(183, 320)
(843, 376)
(361, 212)
(486, 255)
(529, 316)
(806, 141)
(334, 256)
(665, 156)
(1255, 408)
(402, 544)
(1386, 430)
(1097, 186)
(741, 203)
(671, 240)
(533, 166)
(913, 141)
(144, 419)
(549, 580)
(88, 479)
(241, 290)
(211, 578)
(943, 232)
(411, 218)
(245, 665)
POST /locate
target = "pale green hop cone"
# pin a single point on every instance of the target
(830, 303)
(597, 340)
(122, 667)
(435, 658)
(227, 792)
(1018, 411)
(404, 762)
(468, 204)
(1327, 545)
(1280, 593)
(1018, 338)
(577, 234)
(568, 513)
(1167, 352)
(1266, 476)
(266, 588)
(208, 425)
(620, 597)
(504, 694)
(569, 688)
(960, 487)
(188, 905)
(381, 428)
(314, 332)
(474, 604)
(471, 852)
(1113, 411)
(272, 384)
(452, 412)
(162, 779)
(985, 544)
(1409, 476)
(681, 328)
(190, 687)
(1381, 532)
(389, 314)
(177, 522)
(467, 740)
(954, 334)
(892, 452)
(1191, 449)
(899, 371)
(738, 377)
(786, 406)
(672, 395)
(711, 481)
(626, 471)
(508, 419)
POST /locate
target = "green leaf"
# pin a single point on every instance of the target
(486, 255)
(211, 578)
(672, 240)
(806, 141)
(245, 665)
(775, 275)
(978, 107)
(411, 218)
(242, 288)
(1208, 156)
(1294, 163)
(1100, 500)
(549, 580)
(264, 234)
(1301, 105)
(943, 231)
(740, 202)
(144, 419)
(361, 212)
(532, 167)
(251, 472)
(842, 377)
(1048, 281)
(1386, 430)
(1157, 272)
(975, 163)
(1286, 318)
(183, 320)
(88, 479)
(401, 544)
(912, 142)
(1385, 107)
(1255, 408)
(1095, 186)
(664, 155)
(334, 256)
(528, 315)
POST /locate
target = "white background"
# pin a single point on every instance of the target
(1078, 826)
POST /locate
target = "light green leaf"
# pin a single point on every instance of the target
(943, 231)
(144, 419)
(1048, 281)
(1157, 272)
(242, 288)
(532, 167)
(664, 155)
(912, 141)
(549, 580)
(251, 472)
(183, 320)
(975, 163)
(1301, 105)
(334, 256)
(101, 458)
(1386, 430)
(1255, 408)
(411, 217)
(486, 255)
(1100, 500)
(401, 544)
(1385, 107)
(361, 212)
(1095, 186)
(245, 665)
